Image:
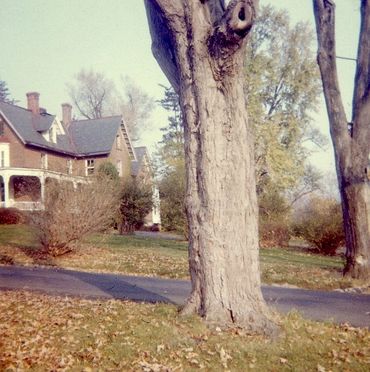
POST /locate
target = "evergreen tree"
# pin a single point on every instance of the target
(4, 93)
(172, 144)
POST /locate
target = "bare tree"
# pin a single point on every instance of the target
(93, 94)
(96, 96)
(136, 107)
(200, 46)
(72, 213)
(351, 140)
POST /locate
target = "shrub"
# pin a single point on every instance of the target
(320, 223)
(108, 169)
(274, 215)
(136, 203)
(172, 193)
(11, 216)
(72, 213)
(274, 233)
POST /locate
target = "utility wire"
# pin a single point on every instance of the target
(347, 58)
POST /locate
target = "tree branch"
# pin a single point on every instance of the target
(324, 11)
(159, 13)
(232, 28)
(361, 95)
(167, 7)
(216, 9)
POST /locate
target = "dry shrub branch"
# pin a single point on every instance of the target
(320, 223)
(70, 213)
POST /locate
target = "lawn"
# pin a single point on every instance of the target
(168, 258)
(45, 333)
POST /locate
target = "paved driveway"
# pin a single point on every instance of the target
(318, 305)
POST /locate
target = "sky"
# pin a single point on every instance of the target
(44, 43)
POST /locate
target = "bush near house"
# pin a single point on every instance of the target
(11, 216)
(135, 203)
(72, 213)
(172, 193)
(320, 223)
(107, 168)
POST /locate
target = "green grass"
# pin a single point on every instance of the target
(17, 236)
(43, 333)
(294, 256)
(168, 258)
(119, 242)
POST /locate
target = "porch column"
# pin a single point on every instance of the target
(42, 190)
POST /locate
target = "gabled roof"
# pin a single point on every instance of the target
(27, 125)
(94, 136)
(140, 153)
(83, 137)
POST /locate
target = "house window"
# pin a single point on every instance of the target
(118, 142)
(119, 167)
(1, 127)
(2, 159)
(69, 166)
(4, 155)
(44, 161)
(90, 166)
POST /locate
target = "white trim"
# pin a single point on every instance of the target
(59, 126)
(42, 175)
(128, 142)
(44, 160)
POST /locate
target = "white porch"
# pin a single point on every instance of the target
(24, 188)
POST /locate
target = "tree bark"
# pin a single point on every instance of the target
(208, 47)
(351, 141)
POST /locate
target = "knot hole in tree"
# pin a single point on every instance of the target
(241, 14)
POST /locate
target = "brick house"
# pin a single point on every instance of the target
(36, 146)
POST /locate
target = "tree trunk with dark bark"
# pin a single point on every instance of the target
(351, 141)
(200, 46)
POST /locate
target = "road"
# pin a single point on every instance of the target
(317, 305)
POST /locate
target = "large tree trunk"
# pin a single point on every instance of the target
(221, 196)
(356, 214)
(351, 141)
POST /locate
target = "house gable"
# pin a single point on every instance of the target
(141, 167)
(56, 129)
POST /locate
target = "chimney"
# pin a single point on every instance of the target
(67, 114)
(33, 102)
